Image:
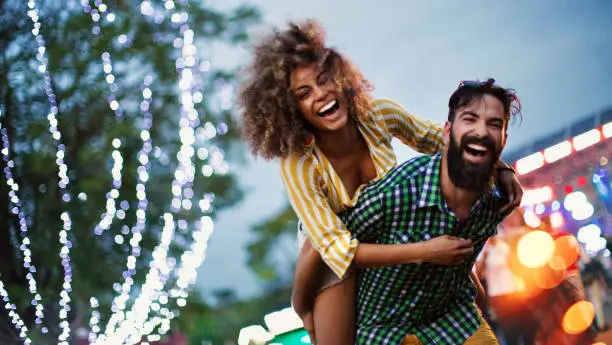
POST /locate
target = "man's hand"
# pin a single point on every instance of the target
(447, 250)
(513, 189)
(308, 321)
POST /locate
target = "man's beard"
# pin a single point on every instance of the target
(467, 175)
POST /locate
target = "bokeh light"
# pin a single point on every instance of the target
(535, 249)
(578, 317)
(566, 249)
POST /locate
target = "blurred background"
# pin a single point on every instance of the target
(131, 209)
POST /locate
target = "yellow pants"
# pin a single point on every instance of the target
(483, 336)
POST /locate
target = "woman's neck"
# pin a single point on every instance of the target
(338, 143)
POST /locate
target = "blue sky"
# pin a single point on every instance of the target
(557, 54)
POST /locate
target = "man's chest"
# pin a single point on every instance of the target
(411, 222)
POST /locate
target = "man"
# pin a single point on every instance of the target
(448, 194)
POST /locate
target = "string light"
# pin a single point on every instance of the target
(106, 220)
(130, 324)
(62, 173)
(181, 185)
(119, 303)
(191, 260)
(23, 227)
(15, 318)
(94, 320)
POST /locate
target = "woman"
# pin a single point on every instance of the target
(306, 105)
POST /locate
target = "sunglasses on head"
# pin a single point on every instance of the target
(475, 83)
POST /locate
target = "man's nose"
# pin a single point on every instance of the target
(480, 129)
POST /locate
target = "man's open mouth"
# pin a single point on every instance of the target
(476, 150)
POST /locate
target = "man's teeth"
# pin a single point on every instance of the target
(327, 107)
(476, 147)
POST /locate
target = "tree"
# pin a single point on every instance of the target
(272, 252)
(143, 40)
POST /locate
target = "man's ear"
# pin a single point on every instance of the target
(447, 131)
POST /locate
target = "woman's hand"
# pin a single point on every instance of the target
(447, 250)
(309, 327)
(511, 185)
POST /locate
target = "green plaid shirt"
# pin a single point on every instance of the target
(436, 303)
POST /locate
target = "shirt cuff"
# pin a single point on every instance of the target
(505, 166)
(341, 262)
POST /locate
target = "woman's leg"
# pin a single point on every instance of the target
(334, 313)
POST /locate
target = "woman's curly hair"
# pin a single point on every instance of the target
(272, 123)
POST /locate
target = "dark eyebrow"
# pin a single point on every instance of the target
(468, 113)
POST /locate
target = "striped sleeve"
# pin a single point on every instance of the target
(325, 230)
(422, 135)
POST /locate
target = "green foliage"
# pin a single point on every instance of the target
(88, 127)
(221, 324)
(267, 241)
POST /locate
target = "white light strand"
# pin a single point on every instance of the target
(62, 173)
(191, 260)
(128, 330)
(120, 301)
(107, 218)
(107, 64)
(15, 318)
(23, 227)
(183, 176)
(94, 320)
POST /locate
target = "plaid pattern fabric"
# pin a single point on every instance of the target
(431, 301)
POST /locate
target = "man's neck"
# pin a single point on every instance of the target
(339, 143)
(459, 200)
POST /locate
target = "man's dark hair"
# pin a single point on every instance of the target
(467, 92)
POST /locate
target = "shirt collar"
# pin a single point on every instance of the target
(309, 143)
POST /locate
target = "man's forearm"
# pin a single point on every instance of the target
(308, 272)
(381, 255)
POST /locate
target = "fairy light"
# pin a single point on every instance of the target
(130, 323)
(62, 174)
(191, 260)
(119, 303)
(66, 287)
(15, 318)
(106, 220)
(94, 319)
(97, 14)
(23, 227)
(121, 325)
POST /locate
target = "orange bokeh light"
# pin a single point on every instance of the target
(566, 247)
(578, 317)
(535, 249)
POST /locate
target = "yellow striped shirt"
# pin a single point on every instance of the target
(317, 194)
